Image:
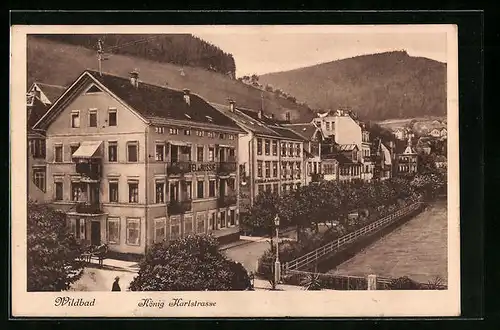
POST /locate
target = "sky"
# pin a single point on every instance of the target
(264, 49)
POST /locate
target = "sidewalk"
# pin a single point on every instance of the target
(101, 279)
(264, 285)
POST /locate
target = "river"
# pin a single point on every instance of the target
(417, 249)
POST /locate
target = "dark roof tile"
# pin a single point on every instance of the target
(153, 101)
(287, 133)
(36, 111)
(306, 130)
(247, 122)
(51, 91)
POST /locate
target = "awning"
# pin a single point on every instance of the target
(88, 149)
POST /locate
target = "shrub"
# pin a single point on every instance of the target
(404, 283)
(193, 263)
(52, 254)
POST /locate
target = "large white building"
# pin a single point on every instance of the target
(345, 132)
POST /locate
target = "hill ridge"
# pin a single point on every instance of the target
(377, 86)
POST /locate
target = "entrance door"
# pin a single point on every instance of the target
(95, 233)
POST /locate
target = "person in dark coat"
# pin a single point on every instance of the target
(116, 286)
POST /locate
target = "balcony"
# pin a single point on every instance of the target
(317, 177)
(177, 207)
(225, 201)
(88, 208)
(204, 166)
(179, 168)
(90, 171)
(226, 167)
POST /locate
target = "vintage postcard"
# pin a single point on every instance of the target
(235, 171)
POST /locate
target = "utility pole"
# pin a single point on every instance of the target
(100, 55)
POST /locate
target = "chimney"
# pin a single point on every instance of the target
(260, 114)
(272, 116)
(134, 78)
(187, 96)
(231, 105)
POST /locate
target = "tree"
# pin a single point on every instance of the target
(193, 263)
(429, 184)
(52, 250)
(260, 217)
(427, 163)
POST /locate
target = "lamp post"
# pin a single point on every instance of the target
(277, 267)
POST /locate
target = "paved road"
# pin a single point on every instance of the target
(248, 254)
(418, 249)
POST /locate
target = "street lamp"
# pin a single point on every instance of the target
(277, 267)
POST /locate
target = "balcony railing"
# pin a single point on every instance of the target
(179, 168)
(91, 171)
(88, 208)
(225, 201)
(317, 177)
(226, 167)
(177, 207)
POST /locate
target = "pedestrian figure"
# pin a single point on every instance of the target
(116, 286)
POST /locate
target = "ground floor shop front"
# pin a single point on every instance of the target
(130, 231)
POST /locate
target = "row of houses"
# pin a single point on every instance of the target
(133, 163)
(436, 129)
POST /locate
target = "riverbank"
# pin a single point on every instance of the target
(417, 249)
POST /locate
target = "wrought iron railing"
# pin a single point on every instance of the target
(179, 207)
(179, 168)
(317, 177)
(226, 167)
(89, 170)
(88, 208)
(225, 201)
(327, 249)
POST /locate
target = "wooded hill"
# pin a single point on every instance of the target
(60, 64)
(181, 49)
(377, 87)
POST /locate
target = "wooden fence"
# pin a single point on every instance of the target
(347, 282)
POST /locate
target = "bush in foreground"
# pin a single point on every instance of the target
(193, 263)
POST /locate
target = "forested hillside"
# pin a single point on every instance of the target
(377, 87)
(61, 63)
(181, 49)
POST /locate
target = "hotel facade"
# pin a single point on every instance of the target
(271, 157)
(133, 164)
